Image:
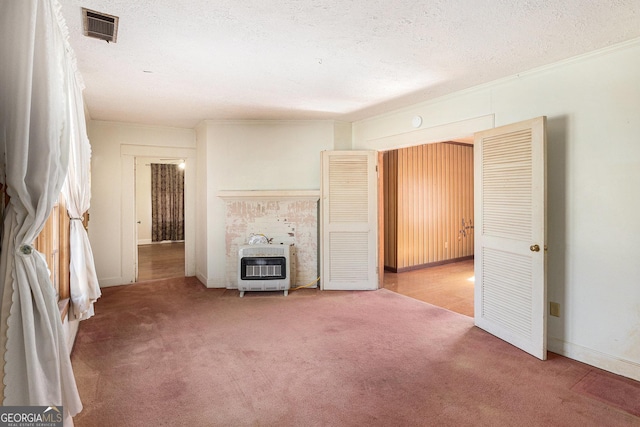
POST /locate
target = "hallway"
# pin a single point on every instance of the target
(160, 261)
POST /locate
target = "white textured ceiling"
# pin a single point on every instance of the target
(176, 63)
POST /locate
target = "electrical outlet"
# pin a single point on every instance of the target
(554, 309)
(446, 245)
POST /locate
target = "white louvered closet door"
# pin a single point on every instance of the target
(510, 233)
(349, 231)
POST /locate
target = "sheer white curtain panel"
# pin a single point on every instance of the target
(85, 289)
(34, 136)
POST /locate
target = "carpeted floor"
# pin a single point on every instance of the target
(173, 353)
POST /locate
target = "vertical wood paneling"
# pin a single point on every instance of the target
(428, 204)
(65, 250)
(53, 243)
(420, 204)
(439, 225)
(431, 211)
(413, 223)
(390, 168)
(400, 240)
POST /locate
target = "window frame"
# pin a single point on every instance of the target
(53, 242)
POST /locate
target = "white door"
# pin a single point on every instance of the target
(349, 227)
(510, 233)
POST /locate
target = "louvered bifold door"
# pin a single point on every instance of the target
(510, 234)
(349, 220)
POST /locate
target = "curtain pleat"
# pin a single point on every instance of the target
(83, 280)
(167, 202)
(34, 140)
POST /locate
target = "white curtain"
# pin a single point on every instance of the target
(34, 140)
(85, 289)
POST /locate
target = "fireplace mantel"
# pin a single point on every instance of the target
(230, 195)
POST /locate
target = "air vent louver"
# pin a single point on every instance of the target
(100, 25)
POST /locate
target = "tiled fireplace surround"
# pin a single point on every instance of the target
(284, 216)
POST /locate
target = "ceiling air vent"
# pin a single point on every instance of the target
(100, 25)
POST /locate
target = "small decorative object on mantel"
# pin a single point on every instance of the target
(259, 239)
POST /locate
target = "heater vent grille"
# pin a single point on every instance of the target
(100, 25)
(263, 271)
(266, 268)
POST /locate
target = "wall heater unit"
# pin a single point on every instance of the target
(265, 268)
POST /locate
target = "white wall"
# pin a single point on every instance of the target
(112, 147)
(593, 109)
(202, 203)
(254, 155)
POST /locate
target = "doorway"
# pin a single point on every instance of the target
(160, 261)
(129, 226)
(428, 222)
(449, 286)
(160, 218)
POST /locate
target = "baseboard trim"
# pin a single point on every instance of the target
(212, 283)
(113, 281)
(144, 242)
(595, 358)
(209, 283)
(427, 265)
(201, 277)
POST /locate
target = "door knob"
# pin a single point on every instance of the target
(534, 248)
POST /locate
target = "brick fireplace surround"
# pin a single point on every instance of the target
(284, 216)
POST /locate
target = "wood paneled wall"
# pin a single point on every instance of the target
(390, 168)
(428, 205)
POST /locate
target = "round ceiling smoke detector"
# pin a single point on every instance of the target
(416, 122)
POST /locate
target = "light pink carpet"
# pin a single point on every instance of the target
(615, 390)
(174, 353)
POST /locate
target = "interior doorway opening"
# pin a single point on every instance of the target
(449, 286)
(428, 223)
(160, 252)
(160, 261)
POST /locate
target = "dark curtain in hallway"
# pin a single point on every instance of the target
(167, 202)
